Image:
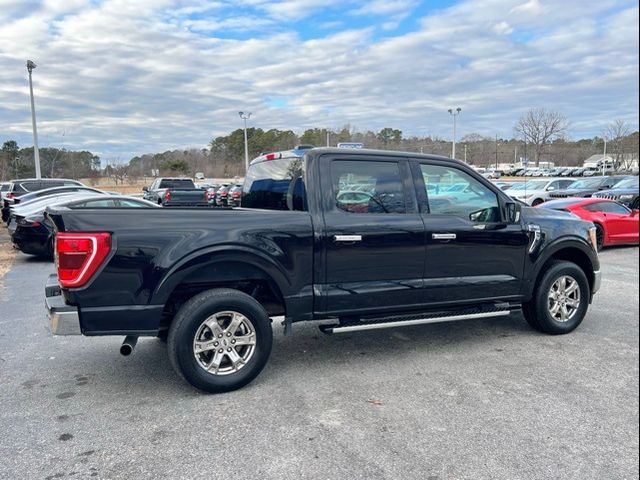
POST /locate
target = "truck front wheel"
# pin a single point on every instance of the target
(560, 300)
(220, 340)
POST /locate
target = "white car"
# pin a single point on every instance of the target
(535, 192)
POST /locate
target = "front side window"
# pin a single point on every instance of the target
(132, 204)
(368, 187)
(471, 199)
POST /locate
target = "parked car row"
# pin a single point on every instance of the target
(610, 202)
(25, 202)
(535, 192)
(567, 172)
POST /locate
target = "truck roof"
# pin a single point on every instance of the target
(352, 152)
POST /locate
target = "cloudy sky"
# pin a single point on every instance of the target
(123, 77)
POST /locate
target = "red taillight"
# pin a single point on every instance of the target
(224, 194)
(236, 194)
(79, 255)
(167, 195)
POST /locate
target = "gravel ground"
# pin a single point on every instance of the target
(486, 399)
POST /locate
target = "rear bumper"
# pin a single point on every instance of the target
(63, 319)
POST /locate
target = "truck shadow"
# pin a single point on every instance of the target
(148, 372)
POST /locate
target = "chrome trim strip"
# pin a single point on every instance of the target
(443, 236)
(347, 238)
(419, 321)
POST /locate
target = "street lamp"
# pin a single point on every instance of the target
(36, 152)
(245, 116)
(454, 114)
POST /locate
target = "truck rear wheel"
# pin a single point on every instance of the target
(220, 340)
(560, 300)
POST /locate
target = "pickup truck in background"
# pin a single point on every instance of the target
(352, 238)
(175, 192)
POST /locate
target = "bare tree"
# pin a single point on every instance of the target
(616, 133)
(539, 127)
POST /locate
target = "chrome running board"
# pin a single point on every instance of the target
(405, 323)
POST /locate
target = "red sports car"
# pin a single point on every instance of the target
(615, 223)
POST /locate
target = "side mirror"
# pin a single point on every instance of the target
(145, 189)
(634, 213)
(550, 189)
(512, 210)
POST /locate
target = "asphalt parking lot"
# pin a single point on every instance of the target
(484, 399)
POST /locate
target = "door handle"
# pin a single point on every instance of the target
(347, 238)
(443, 236)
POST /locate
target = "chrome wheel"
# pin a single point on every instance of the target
(224, 343)
(564, 299)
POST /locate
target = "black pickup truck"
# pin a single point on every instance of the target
(352, 238)
(175, 192)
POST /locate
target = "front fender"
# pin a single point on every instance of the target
(569, 247)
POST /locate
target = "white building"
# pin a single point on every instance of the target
(627, 160)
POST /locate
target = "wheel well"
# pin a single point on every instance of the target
(235, 275)
(573, 255)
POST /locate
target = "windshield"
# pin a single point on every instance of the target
(591, 183)
(627, 183)
(535, 185)
(275, 185)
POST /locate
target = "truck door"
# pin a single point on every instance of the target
(372, 242)
(471, 254)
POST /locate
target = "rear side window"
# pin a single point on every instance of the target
(108, 203)
(368, 187)
(28, 187)
(275, 185)
(177, 183)
(52, 184)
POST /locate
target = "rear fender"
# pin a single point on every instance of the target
(201, 266)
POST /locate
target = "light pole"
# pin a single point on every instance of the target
(245, 116)
(454, 114)
(36, 152)
(604, 155)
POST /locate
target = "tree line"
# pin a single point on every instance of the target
(540, 135)
(16, 162)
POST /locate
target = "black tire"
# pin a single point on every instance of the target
(599, 236)
(536, 311)
(537, 202)
(187, 323)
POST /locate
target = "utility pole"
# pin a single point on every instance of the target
(454, 113)
(465, 153)
(496, 151)
(245, 116)
(328, 138)
(36, 152)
